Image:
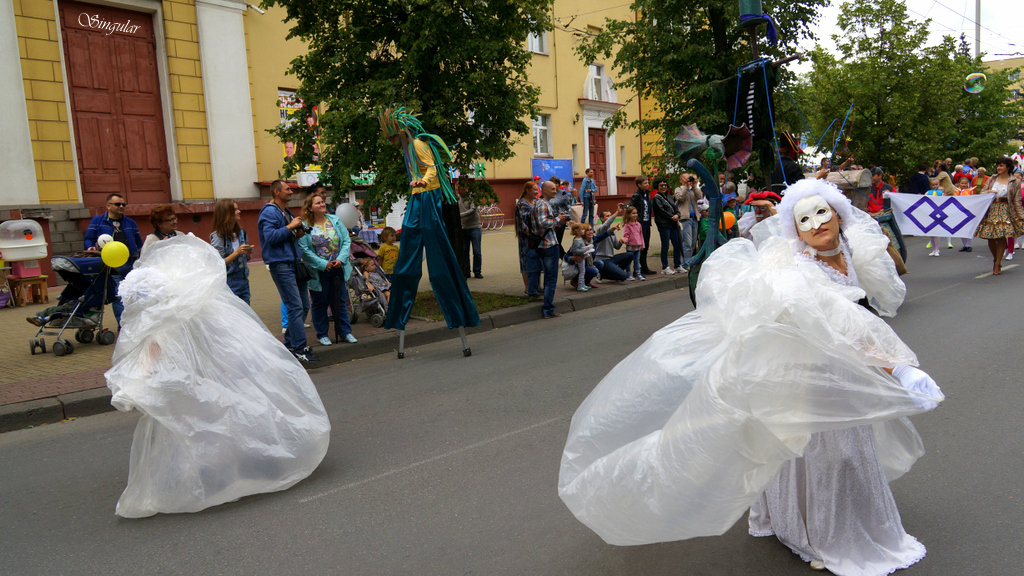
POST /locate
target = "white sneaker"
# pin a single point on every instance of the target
(640, 277)
(325, 341)
(1009, 256)
(668, 271)
(817, 565)
(629, 278)
(682, 269)
(934, 253)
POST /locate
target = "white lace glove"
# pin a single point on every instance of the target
(927, 394)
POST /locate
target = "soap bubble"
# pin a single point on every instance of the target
(975, 83)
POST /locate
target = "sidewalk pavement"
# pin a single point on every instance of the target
(43, 388)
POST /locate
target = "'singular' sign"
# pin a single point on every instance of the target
(97, 23)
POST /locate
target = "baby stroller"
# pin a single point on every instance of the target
(80, 306)
(365, 300)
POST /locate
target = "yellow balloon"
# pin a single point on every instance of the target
(114, 254)
(730, 220)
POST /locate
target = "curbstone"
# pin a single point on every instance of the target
(86, 402)
(97, 400)
(31, 413)
(516, 315)
(595, 298)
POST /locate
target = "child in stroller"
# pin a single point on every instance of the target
(80, 306)
(370, 292)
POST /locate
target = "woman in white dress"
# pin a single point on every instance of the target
(789, 395)
(227, 411)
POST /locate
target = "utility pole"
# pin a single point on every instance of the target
(977, 28)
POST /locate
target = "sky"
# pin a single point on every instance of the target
(1002, 25)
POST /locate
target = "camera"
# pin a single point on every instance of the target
(307, 228)
(692, 180)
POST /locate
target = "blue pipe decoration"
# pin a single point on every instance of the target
(714, 238)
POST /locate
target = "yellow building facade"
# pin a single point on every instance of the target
(170, 102)
(1016, 85)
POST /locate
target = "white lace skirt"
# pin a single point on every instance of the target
(834, 504)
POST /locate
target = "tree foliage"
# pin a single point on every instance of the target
(460, 66)
(678, 53)
(909, 101)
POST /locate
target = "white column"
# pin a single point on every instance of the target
(226, 88)
(20, 187)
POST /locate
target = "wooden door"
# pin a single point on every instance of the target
(110, 55)
(598, 143)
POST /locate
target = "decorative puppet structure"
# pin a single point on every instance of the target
(423, 229)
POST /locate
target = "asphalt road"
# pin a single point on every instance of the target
(441, 464)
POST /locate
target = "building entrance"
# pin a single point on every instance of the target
(110, 56)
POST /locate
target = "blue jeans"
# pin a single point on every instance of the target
(334, 294)
(295, 298)
(671, 234)
(588, 209)
(115, 300)
(609, 270)
(239, 284)
(472, 237)
(689, 234)
(549, 263)
(636, 261)
(646, 227)
(533, 268)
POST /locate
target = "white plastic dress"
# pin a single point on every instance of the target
(687, 432)
(227, 411)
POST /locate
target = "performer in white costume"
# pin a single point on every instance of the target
(774, 393)
(227, 411)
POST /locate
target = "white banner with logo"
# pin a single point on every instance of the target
(943, 216)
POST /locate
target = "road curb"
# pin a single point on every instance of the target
(97, 400)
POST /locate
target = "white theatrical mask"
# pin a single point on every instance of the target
(811, 212)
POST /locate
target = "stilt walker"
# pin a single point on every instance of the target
(423, 229)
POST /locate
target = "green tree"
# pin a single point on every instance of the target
(909, 102)
(460, 66)
(679, 54)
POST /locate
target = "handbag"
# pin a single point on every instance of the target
(303, 272)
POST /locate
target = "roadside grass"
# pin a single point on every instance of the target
(426, 305)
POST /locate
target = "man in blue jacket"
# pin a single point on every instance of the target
(122, 229)
(279, 232)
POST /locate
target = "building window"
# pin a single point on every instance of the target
(597, 81)
(599, 85)
(537, 42)
(542, 135)
(1014, 76)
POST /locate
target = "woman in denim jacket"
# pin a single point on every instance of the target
(230, 241)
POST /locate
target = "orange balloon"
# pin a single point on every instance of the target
(730, 221)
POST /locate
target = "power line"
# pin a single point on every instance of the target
(943, 27)
(571, 16)
(964, 16)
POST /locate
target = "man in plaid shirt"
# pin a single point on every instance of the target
(543, 222)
